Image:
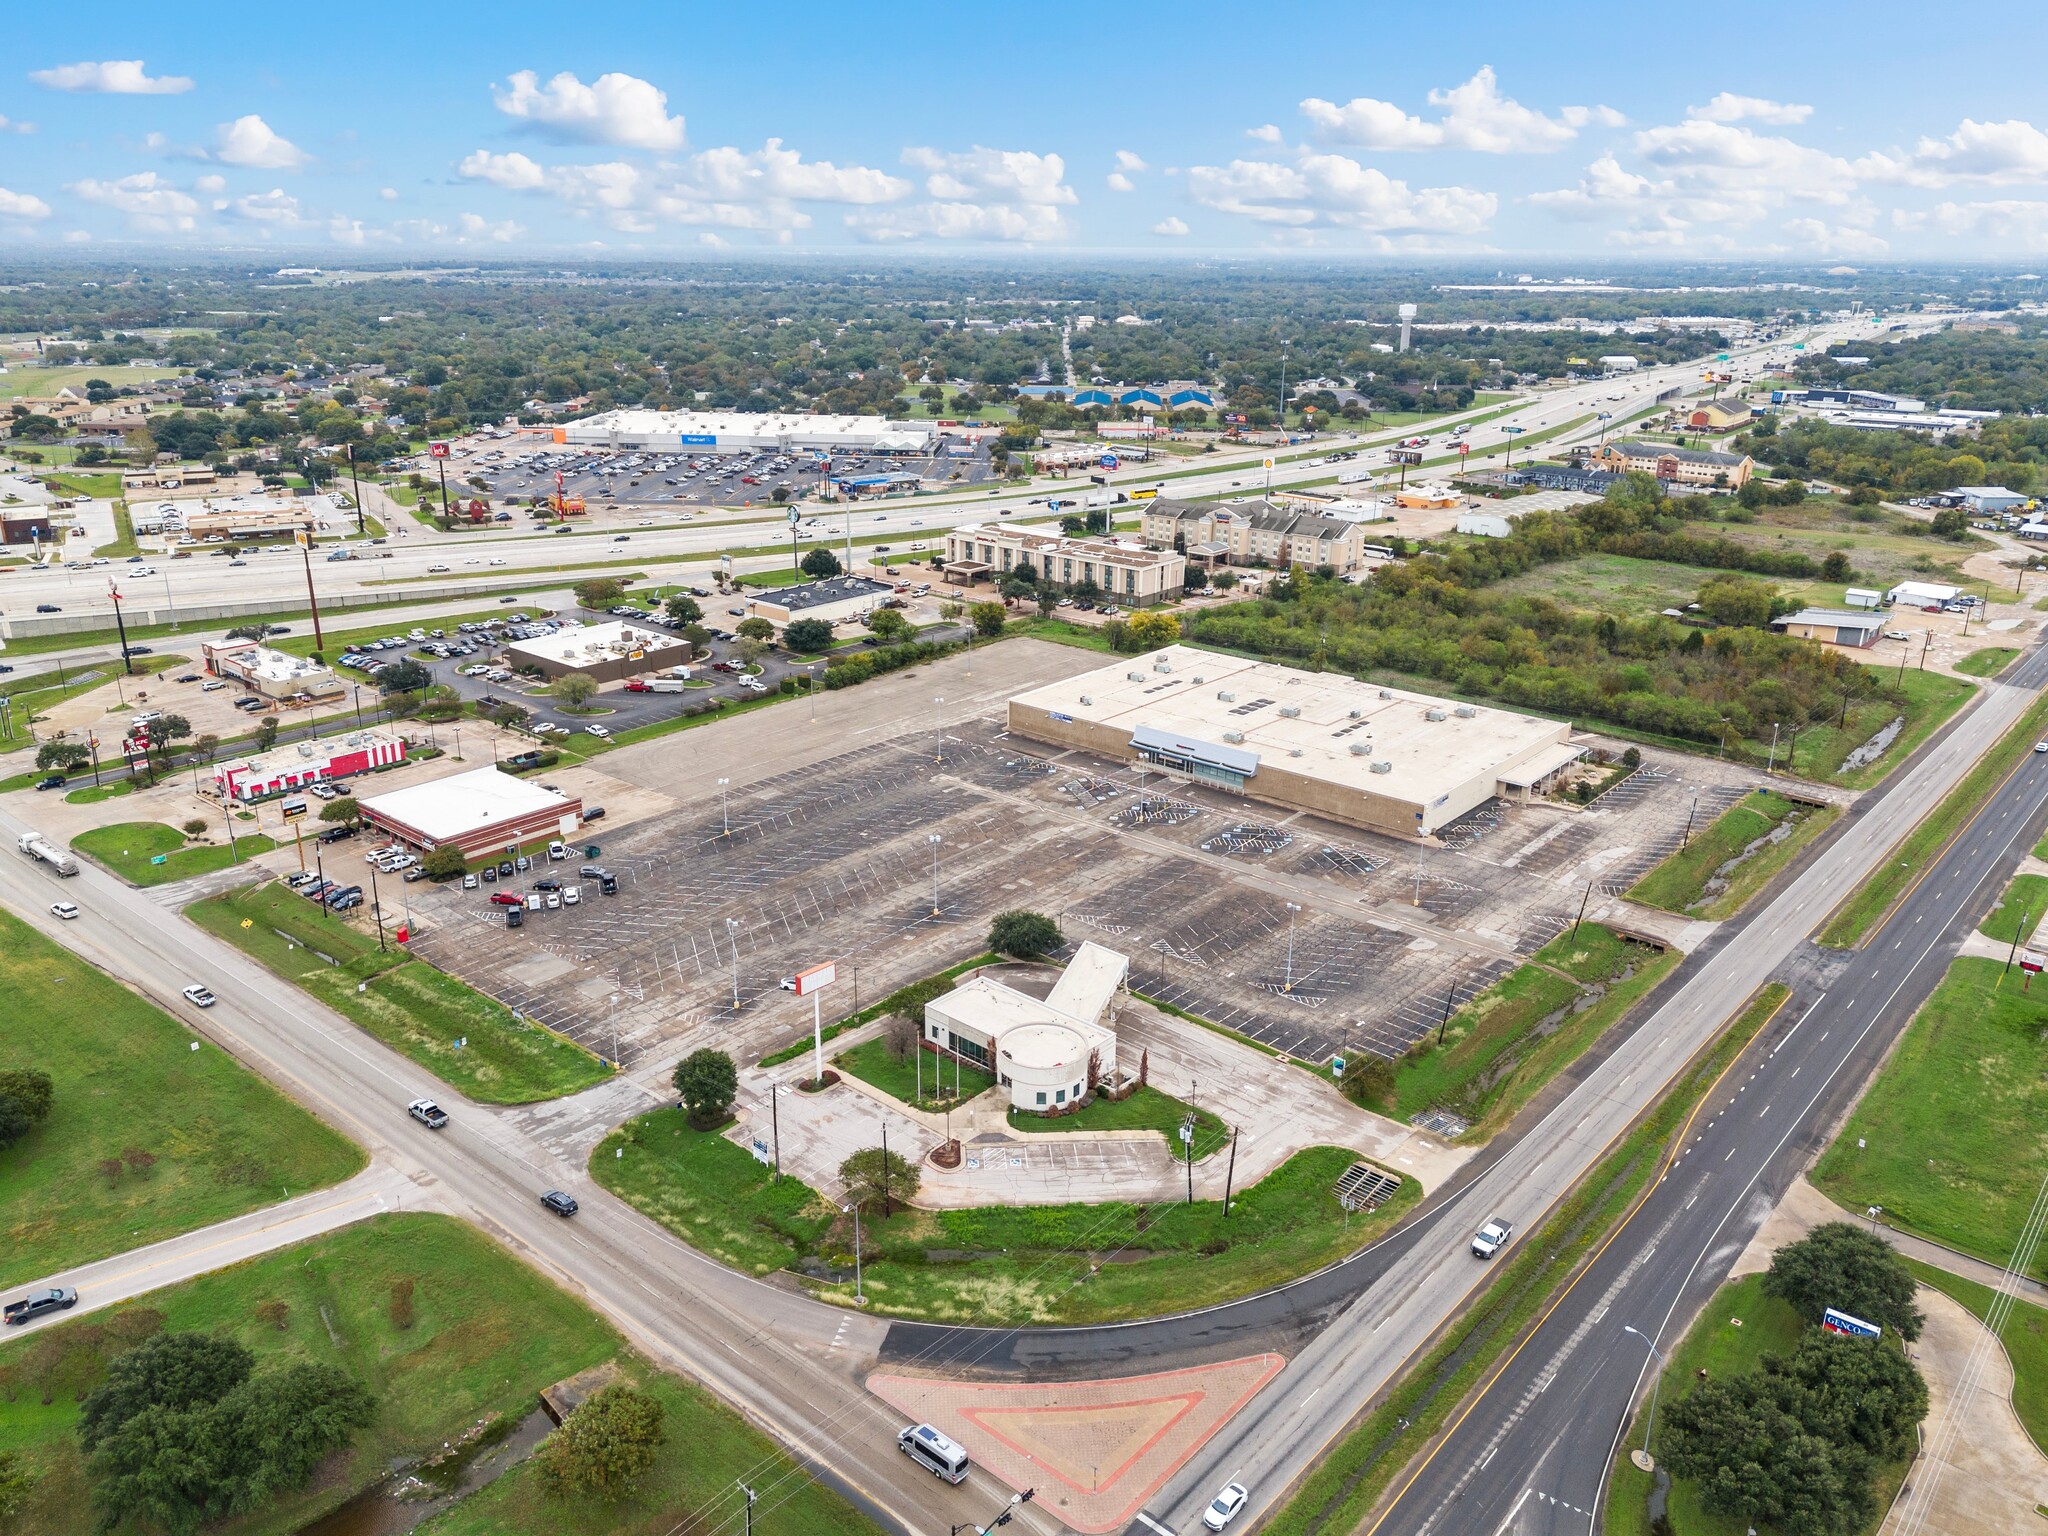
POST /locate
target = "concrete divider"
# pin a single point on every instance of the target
(197, 614)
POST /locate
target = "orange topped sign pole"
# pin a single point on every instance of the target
(809, 984)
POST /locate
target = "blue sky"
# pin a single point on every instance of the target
(1874, 133)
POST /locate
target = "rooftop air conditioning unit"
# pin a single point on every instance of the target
(1386, 693)
(1226, 696)
(1233, 736)
(1357, 714)
(1086, 700)
(1162, 665)
(1383, 766)
(305, 749)
(1361, 748)
(1466, 712)
(1434, 714)
(1196, 681)
(1289, 711)
(1294, 752)
(1135, 677)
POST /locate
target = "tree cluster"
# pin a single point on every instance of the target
(605, 1446)
(185, 1430)
(26, 1098)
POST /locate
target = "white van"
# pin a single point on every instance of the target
(934, 1452)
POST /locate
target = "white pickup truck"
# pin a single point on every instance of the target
(1492, 1237)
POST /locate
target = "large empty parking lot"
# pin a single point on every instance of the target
(1308, 936)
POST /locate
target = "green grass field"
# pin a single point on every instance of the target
(1876, 895)
(2024, 901)
(945, 1083)
(126, 1076)
(488, 1334)
(27, 379)
(129, 847)
(1681, 883)
(1504, 1044)
(1989, 662)
(1045, 1264)
(1951, 1137)
(1145, 1110)
(406, 1003)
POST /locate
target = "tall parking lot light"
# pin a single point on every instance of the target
(934, 839)
(939, 730)
(1292, 908)
(724, 809)
(732, 935)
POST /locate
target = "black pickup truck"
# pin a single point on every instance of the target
(32, 1306)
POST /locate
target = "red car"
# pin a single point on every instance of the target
(637, 686)
(507, 899)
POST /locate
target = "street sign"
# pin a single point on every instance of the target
(1336, 1066)
(1841, 1322)
(817, 978)
(293, 810)
(159, 858)
(760, 1151)
(795, 517)
(438, 450)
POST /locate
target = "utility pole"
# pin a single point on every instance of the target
(312, 600)
(1230, 1172)
(886, 1212)
(2013, 953)
(775, 1120)
(356, 481)
(377, 907)
(743, 1488)
(121, 623)
(1451, 997)
(1583, 900)
(1686, 841)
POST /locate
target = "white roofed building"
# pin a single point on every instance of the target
(1040, 1050)
(746, 431)
(483, 811)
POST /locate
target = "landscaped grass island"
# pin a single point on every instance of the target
(407, 1003)
(131, 849)
(1027, 1264)
(1735, 856)
(146, 1137)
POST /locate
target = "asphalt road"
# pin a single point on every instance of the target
(1426, 1273)
(1530, 1456)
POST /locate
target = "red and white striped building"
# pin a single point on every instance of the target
(306, 762)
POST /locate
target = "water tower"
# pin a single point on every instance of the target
(1407, 313)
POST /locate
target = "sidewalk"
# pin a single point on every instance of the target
(378, 1188)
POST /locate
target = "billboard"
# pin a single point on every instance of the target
(817, 978)
(438, 450)
(697, 439)
(1404, 455)
(1841, 1322)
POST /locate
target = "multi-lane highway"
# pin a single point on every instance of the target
(655, 538)
(1530, 1456)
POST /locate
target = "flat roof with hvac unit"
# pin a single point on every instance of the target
(478, 812)
(606, 652)
(1377, 757)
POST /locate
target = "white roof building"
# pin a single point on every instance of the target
(1922, 594)
(479, 812)
(734, 431)
(1040, 1050)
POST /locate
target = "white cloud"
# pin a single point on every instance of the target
(389, 194)
(22, 205)
(151, 202)
(9, 125)
(775, 172)
(1605, 185)
(250, 141)
(1475, 117)
(1731, 108)
(1986, 154)
(1126, 160)
(515, 172)
(1265, 133)
(113, 77)
(1335, 190)
(1031, 222)
(1739, 167)
(1119, 182)
(2013, 221)
(613, 109)
(210, 184)
(1171, 226)
(1835, 240)
(1006, 175)
(276, 206)
(77, 236)
(472, 226)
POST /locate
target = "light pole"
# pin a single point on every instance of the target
(934, 839)
(1642, 1458)
(859, 1300)
(939, 732)
(811, 675)
(732, 937)
(724, 810)
(1292, 908)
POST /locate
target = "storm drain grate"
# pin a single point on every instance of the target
(1365, 1188)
